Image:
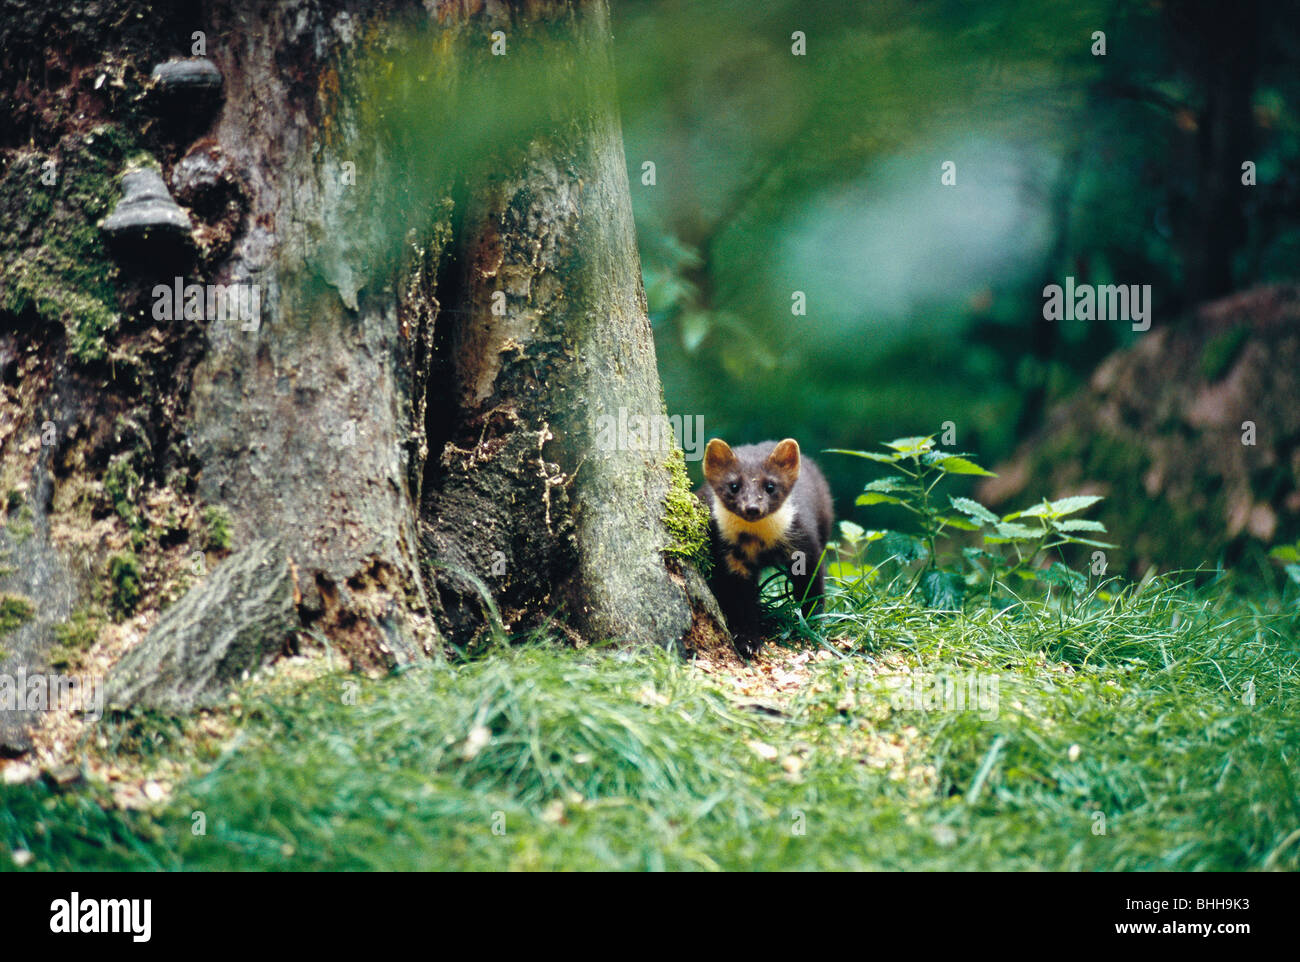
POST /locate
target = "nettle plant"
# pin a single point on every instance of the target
(1018, 549)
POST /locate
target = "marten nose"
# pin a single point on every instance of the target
(751, 512)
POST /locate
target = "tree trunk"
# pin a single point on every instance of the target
(527, 494)
(417, 419)
(1217, 43)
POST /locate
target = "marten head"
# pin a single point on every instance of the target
(753, 487)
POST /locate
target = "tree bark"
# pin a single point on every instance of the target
(414, 422)
(523, 494)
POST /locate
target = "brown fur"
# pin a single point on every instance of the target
(768, 503)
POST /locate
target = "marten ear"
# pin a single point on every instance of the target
(784, 459)
(718, 457)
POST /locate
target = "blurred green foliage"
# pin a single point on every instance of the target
(776, 173)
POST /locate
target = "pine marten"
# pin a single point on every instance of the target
(770, 507)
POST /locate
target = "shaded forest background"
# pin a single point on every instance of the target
(821, 173)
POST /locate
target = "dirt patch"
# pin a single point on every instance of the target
(775, 677)
(69, 747)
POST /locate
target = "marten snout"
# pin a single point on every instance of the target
(751, 499)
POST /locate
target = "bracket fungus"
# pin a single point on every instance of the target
(146, 209)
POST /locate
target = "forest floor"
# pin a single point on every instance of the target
(1155, 729)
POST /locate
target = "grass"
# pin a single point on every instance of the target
(1153, 729)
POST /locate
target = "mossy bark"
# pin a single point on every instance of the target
(527, 494)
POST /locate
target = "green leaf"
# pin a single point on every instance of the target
(942, 590)
(695, 327)
(665, 290)
(1089, 542)
(962, 466)
(934, 457)
(910, 445)
(961, 524)
(1059, 574)
(852, 533)
(903, 547)
(735, 363)
(1070, 505)
(891, 483)
(873, 497)
(1286, 553)
(973, 509)
(1294, 572)
(1078, 524)
(849, 572)
(1007, 531)
(975, 555)
(869, 455)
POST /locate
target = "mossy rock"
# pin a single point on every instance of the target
(1192, 436)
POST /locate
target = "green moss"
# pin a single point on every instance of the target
(76, 635)
(122, 485)
(15, 611)
(53, 261)
(13, 500)
(140, 160)
(685, 517)
(1220, 353)
(20, 526)
(124, 574)
(217, 520)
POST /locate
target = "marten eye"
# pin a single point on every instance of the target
(770, 488)
(734, 486)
